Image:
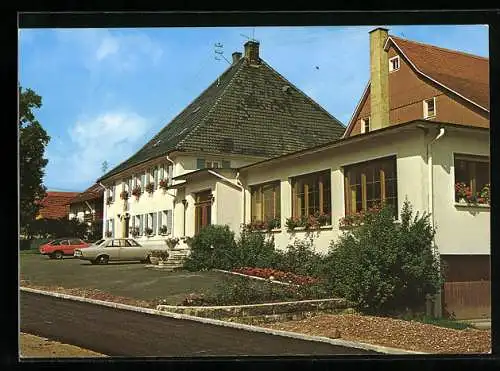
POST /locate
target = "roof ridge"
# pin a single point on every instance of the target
(304, 94)
(217, 100)
(440, 48)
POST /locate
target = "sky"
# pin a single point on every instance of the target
(106, 92)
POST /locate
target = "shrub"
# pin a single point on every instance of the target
(160, 254)
(172, 242)
(300, 258)
(254, 249)
(383, 267)
(213, 247)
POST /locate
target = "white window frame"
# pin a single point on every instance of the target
(219, 164)
(363, 124)
(426, 108)
(391, 68)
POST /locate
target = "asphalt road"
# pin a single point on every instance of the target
(116, 332)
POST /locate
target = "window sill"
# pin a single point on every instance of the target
(466, 205)
(303, 229)
(359, 225)
(274, 230)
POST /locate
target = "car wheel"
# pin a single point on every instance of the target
(103, 259)
(146, 261)
(58, 255)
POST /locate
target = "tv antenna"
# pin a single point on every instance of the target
(250, 38)
(219, 52)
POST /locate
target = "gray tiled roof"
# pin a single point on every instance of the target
(248, 110)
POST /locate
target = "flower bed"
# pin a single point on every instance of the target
(277, 275)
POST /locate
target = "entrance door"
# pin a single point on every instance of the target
(203, 210)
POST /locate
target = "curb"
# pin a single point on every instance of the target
(322, 339)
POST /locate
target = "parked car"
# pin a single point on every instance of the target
(57, 248)
(114, 249)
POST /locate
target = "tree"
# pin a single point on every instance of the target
(32, 142)
(385, 267)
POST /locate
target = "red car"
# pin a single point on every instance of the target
(56, 249)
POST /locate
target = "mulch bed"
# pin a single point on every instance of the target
(394, 333)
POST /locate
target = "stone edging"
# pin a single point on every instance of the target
(344, 343)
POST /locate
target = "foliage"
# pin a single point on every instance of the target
(441, 322)
(358, 218)
(164, 184)
(148, 231)
(137, 191)
(300, 258)
(108, 234)
(32, 142)
(462, 191)
(124, 195)
(95, 231)
(160, 254)
(150, 187)
(384, 267)
(213, 247)
(308, 222)
(234, 290)
(109, 200)
(163, 229)
(134, 231)
(269, 225)
(277, 275)
(172, 242)
(254, 249)
(56, 228)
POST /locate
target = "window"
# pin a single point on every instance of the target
(265, 202)
(311, 194)
(472, 177)
(365, 125)
(370, 183)
(212, 164)
(393, 64)
(430, 108)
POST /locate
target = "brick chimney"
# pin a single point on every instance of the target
(252, 52)
(379, 79)
(236, 57)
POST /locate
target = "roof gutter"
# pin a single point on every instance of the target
(238, 182)
(104, 211)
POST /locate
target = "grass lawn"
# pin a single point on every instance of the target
(122, 279)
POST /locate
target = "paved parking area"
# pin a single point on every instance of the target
(122, 279)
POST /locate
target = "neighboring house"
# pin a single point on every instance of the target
(55, 205)
(88, 206)
(250, 113)
(407, 148)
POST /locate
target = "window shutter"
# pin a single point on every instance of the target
(141, 222)
(159, 221)
(113, 191)
(161, 171)
(143, 181)
(169, 221)
(132, 221)
(170, 174)
(226, 164)
(154, 223)
(113, 228)
(200, 163)
(156, 177)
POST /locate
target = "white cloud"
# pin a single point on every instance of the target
(111, 137)
(117, 51)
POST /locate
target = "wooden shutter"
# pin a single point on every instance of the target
(141, 224)
(156, 177)
(169, 221)
(132, 221)
(113, 192)
(154, 223)
(170, 174)
(143, 182)
(159, 219)
(113, 228)
(200, 163)
(162, 171)
(226, 164)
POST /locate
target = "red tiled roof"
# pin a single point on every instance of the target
(93, 192)
(56, 204)
(462, 73)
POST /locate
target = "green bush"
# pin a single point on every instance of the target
(254, 249)
(385, 267)
(300, 258)
(213, 247)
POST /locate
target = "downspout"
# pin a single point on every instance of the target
(174, 197)
(104, 212)
(437, 304)
(238, 184)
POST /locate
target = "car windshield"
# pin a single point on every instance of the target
(97, 243)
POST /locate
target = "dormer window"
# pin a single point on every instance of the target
(365, 125)
(430, 108)
(393, 64)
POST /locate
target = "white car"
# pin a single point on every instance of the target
(114, 249)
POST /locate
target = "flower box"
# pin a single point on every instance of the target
(109, 234)
(150, 188)
(137, 191)
(124, 195)
(465, 196)
(149, 231)
(268, 225)
(134, 232)
(163, 184)
(315, 221)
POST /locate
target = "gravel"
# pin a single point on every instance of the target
(409, 335)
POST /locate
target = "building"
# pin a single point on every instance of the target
(248, 114)
(55, 205)
(420, 132)
(88, 207)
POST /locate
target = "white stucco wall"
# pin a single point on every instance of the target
(460, 229)
(229, 211)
